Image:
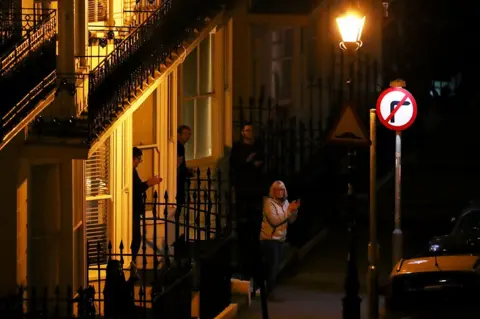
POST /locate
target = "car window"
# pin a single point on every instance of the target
(469, 223)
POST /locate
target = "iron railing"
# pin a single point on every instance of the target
(17, 21)
(133, 61)
(61, 303)
(21, 109)
(176, 241)
(135, 13)
(37, 35)
(294, 144)
(31, 82)
(27, 73)
(179, 257)
(147, 50)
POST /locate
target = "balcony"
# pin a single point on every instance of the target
(129, 72)
(27, 73)
(14, 26)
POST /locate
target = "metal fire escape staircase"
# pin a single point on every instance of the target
(129, 72)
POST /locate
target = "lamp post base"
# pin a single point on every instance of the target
(351, 301)
(351, 307)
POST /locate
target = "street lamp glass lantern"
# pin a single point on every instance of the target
(351, 27)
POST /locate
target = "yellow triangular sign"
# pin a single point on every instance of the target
(349, 129)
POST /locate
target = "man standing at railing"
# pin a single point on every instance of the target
(184, 133)
(139, 188)
(246, 173)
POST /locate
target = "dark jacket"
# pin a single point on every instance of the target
(139, 188)
(182, 173)
(245, 175)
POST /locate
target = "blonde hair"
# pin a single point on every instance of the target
(281, 185)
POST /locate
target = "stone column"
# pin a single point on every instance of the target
(64, 105)
(81, 28)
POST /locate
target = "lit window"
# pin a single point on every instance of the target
(282, 65)
(198, 90)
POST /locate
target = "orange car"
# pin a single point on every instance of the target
(434, 287)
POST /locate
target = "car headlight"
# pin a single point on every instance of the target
(434, 247)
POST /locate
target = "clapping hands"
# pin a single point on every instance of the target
(154, 180)
(294, 205)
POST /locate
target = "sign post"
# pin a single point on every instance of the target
(397, 110)
(373, 244)
(350, 132)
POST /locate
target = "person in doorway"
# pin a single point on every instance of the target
(139, 189)
(246, 174)
(184, 133)
(277, 214)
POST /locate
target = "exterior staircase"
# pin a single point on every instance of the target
(128, 73)
(15, 24)
(27, 76)
(125, 76)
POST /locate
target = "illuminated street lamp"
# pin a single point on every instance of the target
(351, 26)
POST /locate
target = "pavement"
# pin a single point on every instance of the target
(314, 288)
(436, 183)
(302, 303)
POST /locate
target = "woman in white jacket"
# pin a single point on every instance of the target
(277, 214)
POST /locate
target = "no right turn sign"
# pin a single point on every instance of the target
(396, 108)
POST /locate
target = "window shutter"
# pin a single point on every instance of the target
(98, 202)
(97, 10)
(97, 171)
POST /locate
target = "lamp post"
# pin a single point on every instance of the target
(350, 26)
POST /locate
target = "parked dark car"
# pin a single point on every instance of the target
(465, 235)
(434, 287)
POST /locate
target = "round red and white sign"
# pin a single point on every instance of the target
(396, 109)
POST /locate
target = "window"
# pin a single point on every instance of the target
(443, 88)
(97, 10)
(98, 202)
(197, 88)
(282, 67)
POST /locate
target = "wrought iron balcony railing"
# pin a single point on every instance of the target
(27, 74)
(135, 12)
(15, 22)
(114, 82)
(19, 112)
(129, 46)
(34, 37)
(144, 54)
